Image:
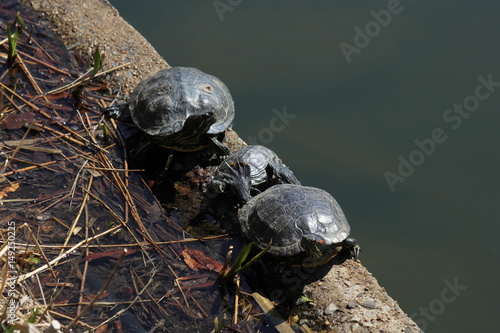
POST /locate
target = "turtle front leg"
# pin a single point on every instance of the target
(238, 177)
(120, 111)
(283, 173)
(219, 148)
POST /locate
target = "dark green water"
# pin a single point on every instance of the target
(430, 238)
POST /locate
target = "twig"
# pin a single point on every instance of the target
(85, 264)
(83, 79)
(16, 149)
(160, 307)
(19, 97)
(40, 165)
(30, 77)
(187, 240)
(60, 290)
(44, 63)
(42, 253)
(119, 313)
(176, 281)
(75, 221)
(236, 301)
(65, 254)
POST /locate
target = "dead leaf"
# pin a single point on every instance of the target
(11, 188)
(109, 254)
(196, 259)
(18, 120)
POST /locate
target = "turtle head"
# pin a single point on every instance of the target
(199, 123)
(215, 188)
(314, 245)
(353, 246)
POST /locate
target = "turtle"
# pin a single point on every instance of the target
(181, 108)
(297, 221)
(248, 170)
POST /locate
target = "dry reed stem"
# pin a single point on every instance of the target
(178, 285)
(84, 79)
(33, 106)
(59, 291)
(44, 63)
(39, 165)
(85, 265)
(37, 244)
(56, 260)
(157, 302)
(77, 218)
(29, 76)
(187, 240)
(18, 109)
(99, 293)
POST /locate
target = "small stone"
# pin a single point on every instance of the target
(294, 319)
(355, 319)
(326, 323)
(369, 304)
(352, 305)
(330, 309)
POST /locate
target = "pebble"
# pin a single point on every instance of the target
(352, 305)
(369, 304)
(330, 309)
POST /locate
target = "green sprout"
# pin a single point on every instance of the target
(32, 318)
(8, 329)
(218, 326)
(240, 259)
(98, 62)
(12, 41)
(20, 20)
(106, 133)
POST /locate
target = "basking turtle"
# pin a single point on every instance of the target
(180, 108)
(249, 170)
(296, 220)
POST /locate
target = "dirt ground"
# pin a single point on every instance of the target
(348, 298)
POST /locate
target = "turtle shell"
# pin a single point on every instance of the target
(284, 213)
(258, 159)
(162, 103)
